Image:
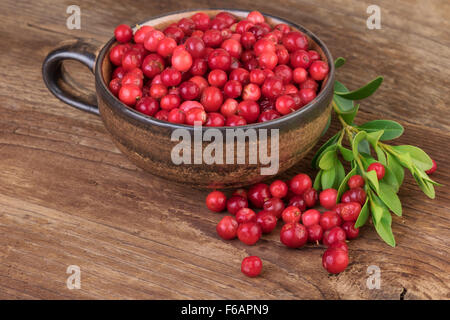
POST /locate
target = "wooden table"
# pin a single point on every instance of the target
(69, 197)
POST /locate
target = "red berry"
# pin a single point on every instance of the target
(307, 95)
(245, 215)
(274, 206)
(141, 33)
(123, 33)
(255, 17)
(313, 55)
(235, 203)
(268, 115)
(171, 77)
(267, 220)
(229, 107)
(216, 201)
(330, 219)
(272, 87)
(148, 106)
(170, 101)
(166, 47)
(354, 195)
(335, 260)
(291, 214)
(251, 92)
(310, 217)
(249, 110)
(219, 59)
(299, 75)
(300, 59)
(433, 168)
(158, 91)
(278, 189)
(267, 60)
(235, 120)
(114, 86)
(215, 120)
(350, 230)
(328, 198)
(248, 39)
(348, 211)
(152, 40)
(182, 60)
(176, 116)
(131, 59)
(333, 235)
(196, 116)
(379, 169)
(249, 233)
(300, 183)
(212, 38)
(319, 70)
(152, 65)
(232, 89)
(227, 228)
(251, 266)
(315, 233)
(294, 235)
(233, 47)
(174, 32)
(258, 194)
(201, 21)
(130, 94)
(262, 46)
(355, 181)
(285, 104)
(310, 197)
(196, 47)
(295, 40)
(188, 105)
(339, 245)
(298, 201)
(257, 77)
(212, 99)
(189, 90)
(186, 25)
(217, 78)
(162, 115)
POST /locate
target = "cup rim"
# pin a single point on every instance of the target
(275, 123)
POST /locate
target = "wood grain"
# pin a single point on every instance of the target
(69, 197)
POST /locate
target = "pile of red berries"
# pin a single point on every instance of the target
(217, 71)
(293, 203)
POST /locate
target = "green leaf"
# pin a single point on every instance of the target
(340, 173)
(346, 153)
(373, 180)
(418, 156)
(362, 92)
(328, 177)
(355, 143)
(364, 147)
(343, 105)
(389, 197)
(319, 152)
(396, 168)
(405, 160)
(425, 186)
(339, 62)
(317, 182)
(327, 161)
(344, 187)
(350, 116)
(373, 137)
(381, 156)
(363, 215)
(391, 179)
(391, 128)
(382, 219)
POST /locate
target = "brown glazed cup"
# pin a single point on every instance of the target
(147, 141)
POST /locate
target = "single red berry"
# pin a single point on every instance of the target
(310, 197)
(355, 181)
(248, 39)
(267, 60)
(212, 99)
(152, 39)
(114, 86)
(328, 198)
(255, 17)
(131, 60)
(235, 203)
(348, 211)
(294, 235)
(335, 260)
(249, 110)
(245, 215)
(233, 47)
(249, 233)
(272, 87)
(123, 33)
(300, 183)
(433, 168)
(298, 201)
(188, 105)
(311, 217)
(285, 104)
(219, 59)
(189, 90)
(157, 91)
(313, 55)
(201, 21)
(299, 75)
(176, 116)
(232, 89)
(212, 38)
(171, 77)
(291, 214)
(235, 120)
(307, 95)
(251, 92)
(319, 70)
(339, 245)
(217, 78)
(354, 195)
(182, 60)
(229, 107)
(227, 228)
(333, 235)
(215, 120)
(186, 25)
(216, 201)
(283, 72)
(166, 47)
(330, 219)
(315, 233)
(130, 94)
(196, 116)
(300, 59)
(274, 206)
(162, 115)
(278, 189)
(258, 194)
(379, 169)
(170, 101)
(268, 115)
(174, 32)
(295, 40)
(141, 33)
(257, 77)
(350, 230)
(267, 220)
(251, 266)
(309, 83)
(148, 106)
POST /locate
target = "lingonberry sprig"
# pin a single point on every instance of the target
(382, 175)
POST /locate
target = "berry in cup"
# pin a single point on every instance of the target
(212, 59)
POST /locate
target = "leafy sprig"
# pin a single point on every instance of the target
(362, 145)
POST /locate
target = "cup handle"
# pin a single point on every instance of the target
(53, 74)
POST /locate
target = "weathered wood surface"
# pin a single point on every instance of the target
(68, 197)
